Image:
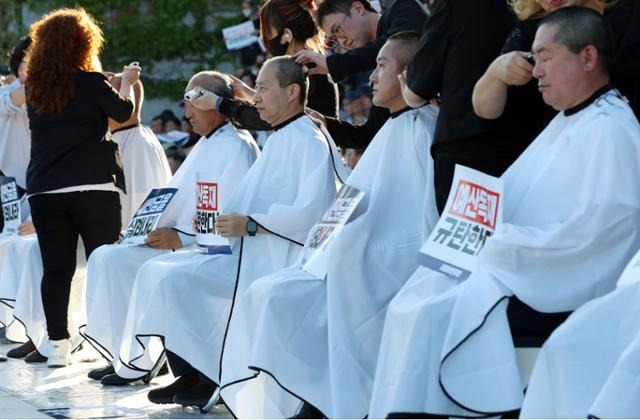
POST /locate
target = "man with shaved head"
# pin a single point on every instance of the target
(223, 152)
(571, 224)
(315, 338)
(183, 300)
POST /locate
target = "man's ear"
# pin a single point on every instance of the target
(589, 56)
(293, 91)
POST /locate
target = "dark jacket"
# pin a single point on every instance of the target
(71, 147)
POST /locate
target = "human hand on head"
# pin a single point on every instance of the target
(315, 62)
(512, 68)
(241, 90)
(131, 73)
(206, 101)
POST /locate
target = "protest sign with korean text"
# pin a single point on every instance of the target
(148, 215)
(323, 233)
(10, 204)
(472, 212)
(208, 208)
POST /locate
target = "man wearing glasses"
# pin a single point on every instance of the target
(361, 30)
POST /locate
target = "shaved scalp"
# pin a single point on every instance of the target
(213, 81)
(578, 27)
(405, 45)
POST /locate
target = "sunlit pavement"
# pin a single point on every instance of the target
(36, 391)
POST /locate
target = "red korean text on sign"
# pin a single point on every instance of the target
(475, 203)
(207, 196)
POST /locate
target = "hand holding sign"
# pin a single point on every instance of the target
(232, 225)
(163, 238)
(26, 228)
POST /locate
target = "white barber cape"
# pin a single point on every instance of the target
(186, 297)
(15, 137)
(10, 277)
(318, 338)
(144, 163)
(591, 364)
(145, 167)
(572, 213)
(225, 156)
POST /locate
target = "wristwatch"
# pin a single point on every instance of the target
(252, 227)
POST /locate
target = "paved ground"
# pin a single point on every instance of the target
(28, 390)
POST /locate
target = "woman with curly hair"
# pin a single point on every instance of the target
(75, 170)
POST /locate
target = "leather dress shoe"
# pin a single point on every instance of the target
(3, 359)
(307, 411)
(114, 379)
(35, 357)
(21, 351)
(98, 374)
(165, 394)
(196, 396)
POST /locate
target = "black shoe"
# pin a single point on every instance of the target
(3, 359)
(22, 350)
(308, 412)
(35, 357)
(165, 394)
(197, 396)
(164, 370)
(114, 380)
(98, 374)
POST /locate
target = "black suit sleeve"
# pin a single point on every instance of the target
(404, 15)
(111, 102)
(424, 76)
(352, 136)
(243, 114)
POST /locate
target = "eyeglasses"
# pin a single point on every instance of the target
(337, 31)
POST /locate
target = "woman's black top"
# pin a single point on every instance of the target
(323, 97)
(624, 21)
(71, 148)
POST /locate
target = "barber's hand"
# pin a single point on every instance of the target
(26, 228)
(18, 97)
(315, 115)
(206, 101)
(241, 90)
(232, 225)
(307, 57)
(512, 68)
(131, 74)
(163, 238)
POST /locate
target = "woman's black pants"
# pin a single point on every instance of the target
(59, 218)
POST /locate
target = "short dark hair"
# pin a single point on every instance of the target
(288, 72)
(328, 7)
(18, 53)
(579, 27)
(215, 82)
(408, 41)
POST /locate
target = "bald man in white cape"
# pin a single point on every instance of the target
(145, 166)
(185, 298)
(223, 154)
(572, 214)
(590, 366)
(316, 339)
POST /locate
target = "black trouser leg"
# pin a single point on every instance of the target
(59, 219)
(180, 367)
